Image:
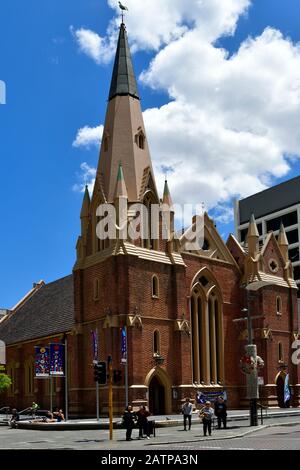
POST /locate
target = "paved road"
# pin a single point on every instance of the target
(278, 438)
(281, 437)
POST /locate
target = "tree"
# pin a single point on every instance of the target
(5, 382)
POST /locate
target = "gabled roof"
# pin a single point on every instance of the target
(49, 311)
(123, 80)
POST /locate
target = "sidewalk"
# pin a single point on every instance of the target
(234, 416)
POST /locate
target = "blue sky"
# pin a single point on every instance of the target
(53, 89)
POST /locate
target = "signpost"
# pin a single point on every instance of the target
(124, 359)
(251, 360)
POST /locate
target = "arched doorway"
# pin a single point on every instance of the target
(157, 397)
(159, 391)
(280, 379)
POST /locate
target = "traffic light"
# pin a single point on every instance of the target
(117, 376)
(100, 374)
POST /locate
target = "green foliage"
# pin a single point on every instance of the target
(5, 382)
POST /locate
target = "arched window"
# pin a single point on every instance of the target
(150, 235)
(279, 305)
(280, 352)
(155, 287)
(105, 144)
(207, 333)
(141, 141)
(29, 377)
(156, 343)
(96, 289)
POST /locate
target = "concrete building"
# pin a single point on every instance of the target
(271, 208)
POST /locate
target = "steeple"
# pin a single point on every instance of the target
(123, 79)
(252, 237)
(283, 243)
(124, 139)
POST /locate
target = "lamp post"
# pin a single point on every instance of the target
(251, 353)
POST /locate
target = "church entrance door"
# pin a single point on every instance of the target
(157, 397)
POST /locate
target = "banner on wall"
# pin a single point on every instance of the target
(95, 345)
(42, 361)
(57, 359)
(124, 345)
(202, 398)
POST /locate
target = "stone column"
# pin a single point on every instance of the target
(213, 344)
(205, 349)
(220, 339)
(195, 333)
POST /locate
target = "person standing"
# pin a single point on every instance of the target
(142, 422)
(221, 412)
(129, 418)
(187, 410)
(207, 414)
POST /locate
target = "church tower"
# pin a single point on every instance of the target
(124, 138)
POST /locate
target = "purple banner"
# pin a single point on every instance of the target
(42, 361)
(57, 359)
(124, 345)
(95, 345)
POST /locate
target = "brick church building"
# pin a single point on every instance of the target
(178, 305)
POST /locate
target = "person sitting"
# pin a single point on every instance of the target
(15, 417)
(58, 414)
(46, 419)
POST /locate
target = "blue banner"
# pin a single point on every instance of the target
(42, 361)
(124, 345)
(57, 359)
(95, 345)
(287, 393)
(202, 398)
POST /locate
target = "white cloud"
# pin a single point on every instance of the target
(230, 121)
(154, 23)
(87, 177)
(88, 136)
(101, 50)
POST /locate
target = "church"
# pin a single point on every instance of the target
(178, 305)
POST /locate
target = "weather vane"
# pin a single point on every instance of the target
(122, 8)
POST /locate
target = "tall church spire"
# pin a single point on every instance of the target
(123, 79)
(124, 139)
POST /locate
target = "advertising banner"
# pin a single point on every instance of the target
(42, 361)
(124, 345)
(57, 359)
(95, 345)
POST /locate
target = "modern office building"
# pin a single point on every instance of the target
(276, 205)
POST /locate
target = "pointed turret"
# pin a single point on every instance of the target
(124, 138)
(121, 190)
(283, 243)
(167, 196)
(253, 238)
(85, 208)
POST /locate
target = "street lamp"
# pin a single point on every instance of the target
(251, 352)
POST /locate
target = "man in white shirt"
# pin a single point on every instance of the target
(187, 410)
